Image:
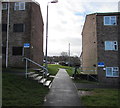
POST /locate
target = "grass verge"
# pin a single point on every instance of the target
(84, 81)
(13, 70)
(101, 97)
(53, 69)
(18, 91)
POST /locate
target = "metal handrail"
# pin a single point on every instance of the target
(27, 59)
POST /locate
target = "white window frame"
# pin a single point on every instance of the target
(4, 8)
(19, 6)
(110, 20)
(113, 46)
(113, 71)
(16, 5)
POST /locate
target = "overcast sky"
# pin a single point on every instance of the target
(66, 19)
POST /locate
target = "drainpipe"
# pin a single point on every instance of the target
(7, 42)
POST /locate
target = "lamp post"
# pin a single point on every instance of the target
(55, 1)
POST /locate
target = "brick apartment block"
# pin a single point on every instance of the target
(25, 27)
(100, 46)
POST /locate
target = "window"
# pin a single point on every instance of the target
(110, 20)
(4, 27)
(17, 51)
(18, 27)
(111, 45)
(16, 6)
(3, 50)
(112, 71)
(19, 6)
(4, 6)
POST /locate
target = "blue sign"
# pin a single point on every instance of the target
(26, 45)
(101, 64)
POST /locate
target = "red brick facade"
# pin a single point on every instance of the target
(95, 34)
(32, 23)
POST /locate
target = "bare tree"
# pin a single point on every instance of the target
(64, 56)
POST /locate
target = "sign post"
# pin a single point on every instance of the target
(101, 64)
(26, 45)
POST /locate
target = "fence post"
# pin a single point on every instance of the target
(26, 68)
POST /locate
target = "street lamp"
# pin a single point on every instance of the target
(54, 1)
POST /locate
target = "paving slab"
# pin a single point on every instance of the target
(63, 92)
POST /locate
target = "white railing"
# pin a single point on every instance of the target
(26, 61)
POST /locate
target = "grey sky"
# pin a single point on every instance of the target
(66, 19)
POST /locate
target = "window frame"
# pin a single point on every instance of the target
(19, 6)
(113, 48)
(113, 71)
(6, 6)
(110, 18)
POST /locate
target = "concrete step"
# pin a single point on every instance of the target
(42, 71)
(72, 77)
(38, 78)
(48, 74)
(30, 73)
(50, 85)
(33, 75)
(38, 70)
(42, 80)
(51, 76)
(47, 83)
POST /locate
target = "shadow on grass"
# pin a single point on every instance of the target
(18, 91)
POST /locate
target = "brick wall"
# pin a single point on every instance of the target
(36, 34)
(94, 35)
(0, 33)
(89, 43)
(18, 39)
(32, 19)
(110, 58)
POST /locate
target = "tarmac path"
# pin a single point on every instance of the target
(63, 92)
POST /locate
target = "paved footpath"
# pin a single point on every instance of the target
(62, 92)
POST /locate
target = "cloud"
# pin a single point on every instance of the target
(66, 19)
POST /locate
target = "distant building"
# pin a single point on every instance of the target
(100, 40)
(25, 33)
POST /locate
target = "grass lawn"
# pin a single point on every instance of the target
(13, 70)
(101, 97)
(18, 91)
(85, 81)
(53, 69)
